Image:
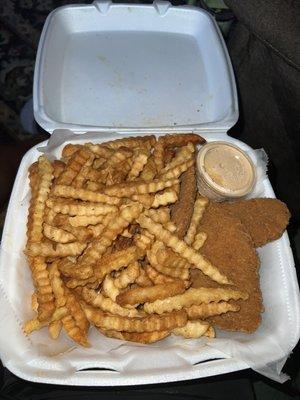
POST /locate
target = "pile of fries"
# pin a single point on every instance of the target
(105, 248)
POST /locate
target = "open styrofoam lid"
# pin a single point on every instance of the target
(127, 67)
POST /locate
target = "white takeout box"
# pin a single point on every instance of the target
(123, 69)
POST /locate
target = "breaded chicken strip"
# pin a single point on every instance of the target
(182, 210)
(230, 248)
(265, 219)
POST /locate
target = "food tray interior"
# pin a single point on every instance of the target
(123, 66)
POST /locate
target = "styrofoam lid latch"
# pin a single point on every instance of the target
(161, 6)
(102, 5)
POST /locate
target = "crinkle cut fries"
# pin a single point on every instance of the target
(107, 246)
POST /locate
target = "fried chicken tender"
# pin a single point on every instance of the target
(182, 210)
(180, 247)
(230, 247)
(264, 219)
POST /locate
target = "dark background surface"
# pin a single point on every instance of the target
(263, 43)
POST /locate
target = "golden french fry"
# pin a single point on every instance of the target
(58, 168)
(82, 234)
(60, 250)
(143, 241)
(109, 288)
(99, 245)
(210, 309)
(38, 201)
(75, 323)
(118, 174)
(159, 199)
(156, 277)
(73, 166)
(34, 178)
(150, 323)
(170, 226)
(84, 208)
(45, 298)
(168, 263)
(169, 258)
(184, 153)
(194, 296)
(57, 285)
(150, 294)
(128, 189)
(97, 176)
(72, 270)
(34, 301)
(85, 220)
(99, 162)
(106, 304)
(107, 264)
(126, 233)
(73, 331)
(149, 170)
(210, 332)
(131, 142)
(76, 311)
(82, 176)
(94, 186)
(161, 215)
(179, 140)
(54, 329)
(69, 150)
(180, 247)
(84, 194)
(127, 276)
(192, 330)
(49, 216)
(57, 234)
(199, 208)
(174, 272)
(176, 171)
(139, 161)
(143, 280)
(118, 156)
(199, 240)
(144, 337)
(35, 324)
(100, 150)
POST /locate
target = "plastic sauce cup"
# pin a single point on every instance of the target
(224, 171)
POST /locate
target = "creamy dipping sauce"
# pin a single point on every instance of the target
(224, 171)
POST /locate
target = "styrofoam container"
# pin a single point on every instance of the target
(133, 67)
(121, 70)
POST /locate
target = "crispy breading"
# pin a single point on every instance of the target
(230, 247)
(182, 210)
(264, 219)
